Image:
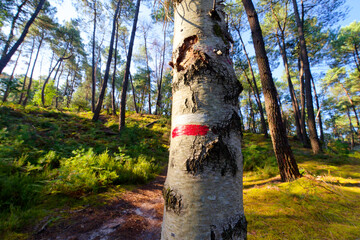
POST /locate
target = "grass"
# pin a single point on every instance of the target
(51, 161)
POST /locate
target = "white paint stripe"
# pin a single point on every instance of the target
(189, 118)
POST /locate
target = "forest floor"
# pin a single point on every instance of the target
(135, 214)
(65, 177)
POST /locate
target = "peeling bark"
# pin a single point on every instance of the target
(205, 165)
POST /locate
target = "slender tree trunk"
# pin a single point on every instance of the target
(134, 95)
(107, 70)
(148, 73)
(319, 112)
(131, 82)
(6, 58)
(203, 188)
(51, 61)
(284, 155)
(27, 70)
(256, 92)
(32, 71)
(113, 104)
(57, 87)
(158, 98)
(72, 87)
(12, 28)
(47, 80)
(252, 124)
(59, 61)
(315, 144)
(351, 128)
(351, 104)
(127, 69)
(66, 90)
(282, 47)
(305, 140)
(93, 68)
(7, 91)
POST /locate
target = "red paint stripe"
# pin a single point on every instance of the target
(190, 130)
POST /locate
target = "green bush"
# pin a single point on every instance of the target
(88, 171)
(18, 190)
(257, 158)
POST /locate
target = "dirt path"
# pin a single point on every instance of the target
(137, 215)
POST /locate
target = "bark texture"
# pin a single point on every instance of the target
(285, 158)
(315, 143)
(203, 189)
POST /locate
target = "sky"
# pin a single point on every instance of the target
(66, 11)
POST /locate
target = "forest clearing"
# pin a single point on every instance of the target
(179, 120)
(39, 203)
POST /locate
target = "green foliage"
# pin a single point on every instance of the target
(45, 153)
(88, 171)
(50, 93)
(258, 155)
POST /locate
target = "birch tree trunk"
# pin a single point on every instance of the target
(203, 188)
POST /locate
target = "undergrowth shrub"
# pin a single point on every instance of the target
(88, 171)
(18, 190)
(257, 158)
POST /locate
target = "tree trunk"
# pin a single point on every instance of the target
(256, 92)
(113, 104)
(72, 88)
(282, 47)
(6, 58)
(93, 68)
(352, 105)
(107, 70)
(32, 71)
(57, 87)
(203, 188)
(158, 98)
(127, 69)
(252, 125)
(285, 158)
(131, 82)
(27, 70)
(305, 139)
(148, 73)
(319, 112)
(7, 91)
(47, 80)
(12, 28)
(134, 95)
(315, 144)
(351, 128)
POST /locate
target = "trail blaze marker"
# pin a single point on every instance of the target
(190, 130)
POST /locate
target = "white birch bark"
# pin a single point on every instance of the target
(203, 188)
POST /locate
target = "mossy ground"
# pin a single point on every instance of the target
(323, 204)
